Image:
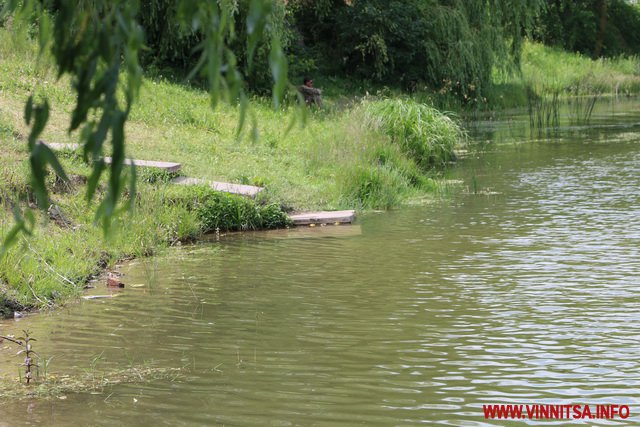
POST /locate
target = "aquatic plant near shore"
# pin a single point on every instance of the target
(27, 350)
(544, 110)
(58, 386)
(53, 385)
(582, 102)
(424, 133)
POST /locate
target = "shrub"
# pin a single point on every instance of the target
(227, 212)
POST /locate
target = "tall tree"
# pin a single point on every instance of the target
(592, 27)
(449, 45)
(602, 28)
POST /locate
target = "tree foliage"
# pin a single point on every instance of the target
(592, 27)
(449, 45)
(173, 44)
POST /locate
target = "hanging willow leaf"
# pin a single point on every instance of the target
(49, 156)
(278, 64)
(40, 115)
(43, 33)
(94, 178)
(22, 224)
(243, 114)
(41, 155)
(133, 180)
(256, 22)
(28, 110)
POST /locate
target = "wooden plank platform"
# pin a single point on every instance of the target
(171, 167)
(328, 217)
(461, 154)
(225, 187)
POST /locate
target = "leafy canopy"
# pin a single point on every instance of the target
(446, 45)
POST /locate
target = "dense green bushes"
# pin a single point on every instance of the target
(217, 211)
(591, 27)
(450, 46)
(173, 43)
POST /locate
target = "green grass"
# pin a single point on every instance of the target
(549, 69)
(548, 72)
(337, 160)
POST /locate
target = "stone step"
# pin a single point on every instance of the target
(56, 146)
(307, 218)
(326, 217)
(225, 187)
(171, 167)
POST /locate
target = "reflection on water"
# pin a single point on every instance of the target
(422, 315)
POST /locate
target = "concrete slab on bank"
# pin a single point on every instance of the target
(170, 167)
(56, 146)
(225, 187)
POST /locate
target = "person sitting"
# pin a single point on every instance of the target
(312, 96)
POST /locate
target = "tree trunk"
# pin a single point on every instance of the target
(602, 30)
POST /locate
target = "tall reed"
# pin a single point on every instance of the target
(424, 133)
(582, 101)
(544, 110)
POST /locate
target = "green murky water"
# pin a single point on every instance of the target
(521, 288)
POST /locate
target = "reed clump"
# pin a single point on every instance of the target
(58, 386)
(543, 109)
(425, 134)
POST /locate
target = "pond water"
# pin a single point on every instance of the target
(521, 287)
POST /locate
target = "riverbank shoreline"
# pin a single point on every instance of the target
(42, 270)
(331, 159)
(374, 153)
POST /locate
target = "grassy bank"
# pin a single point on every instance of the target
(347, 156)
(548, 72)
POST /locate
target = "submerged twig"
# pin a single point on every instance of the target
(2, 337)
